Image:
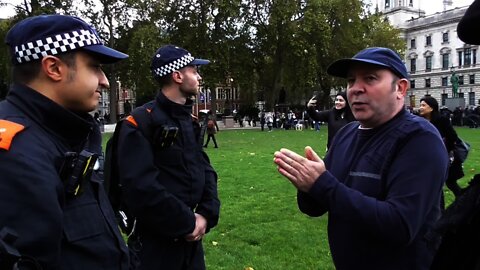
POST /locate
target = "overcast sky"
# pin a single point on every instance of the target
(430, 6)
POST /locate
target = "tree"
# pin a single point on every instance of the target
(267, 47)
(112, 16)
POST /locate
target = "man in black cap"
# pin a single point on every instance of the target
(167, 180)
(51, 194)
(381, 181)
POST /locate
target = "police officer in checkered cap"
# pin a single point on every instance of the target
(176, 201)
(51, 193)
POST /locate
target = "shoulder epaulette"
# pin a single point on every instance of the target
(8, 130)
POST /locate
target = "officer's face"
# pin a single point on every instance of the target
(190, 81)
(83, 84)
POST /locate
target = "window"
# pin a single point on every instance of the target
(445, 37)
(427, 83)
(471, 98)
(413, 65)
(412, 84)
(410, 3)
(468, 56)
(445, 62)
(413, 44)
(472, 79)
(461, 95)
(387, 3)
(428, 41)
(460, 54)
(460, 80)
(428, 63)
(444, 81)
(444, 97)
(474, 56)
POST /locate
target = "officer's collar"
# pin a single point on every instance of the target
(73, 127)
(173, 107)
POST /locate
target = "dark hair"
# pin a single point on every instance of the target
(346, 111)
(25, 73)
(164, 80)
(433, 103)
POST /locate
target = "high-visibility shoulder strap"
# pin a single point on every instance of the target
(8, 130)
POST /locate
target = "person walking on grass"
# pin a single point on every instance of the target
(212, 129)
(381, 180)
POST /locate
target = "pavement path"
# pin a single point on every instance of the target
(111, 127)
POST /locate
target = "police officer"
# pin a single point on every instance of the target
(50, 192)
(168, 182)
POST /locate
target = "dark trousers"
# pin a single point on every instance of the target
(213, 139)
(179, 255)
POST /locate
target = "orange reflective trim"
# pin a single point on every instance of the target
(8, 130)
(149, 110)
(132, 120)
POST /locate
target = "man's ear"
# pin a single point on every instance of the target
(402, 87)
(53, 68)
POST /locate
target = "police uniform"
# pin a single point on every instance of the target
(62, 222)
(166, 181)
(59, 231)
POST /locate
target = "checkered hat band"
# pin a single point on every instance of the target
(175, 65)
(54, 45)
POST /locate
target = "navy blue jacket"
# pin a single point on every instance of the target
(59, 232)
(382, 191)
(165, 186)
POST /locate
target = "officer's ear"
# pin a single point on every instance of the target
(177, 77)
(53, 68)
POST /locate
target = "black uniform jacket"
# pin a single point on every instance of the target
(165, 186)
(60, 232)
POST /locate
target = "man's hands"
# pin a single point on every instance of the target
(200, 228)
(301, 171)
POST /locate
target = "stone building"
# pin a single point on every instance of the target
(434, 52)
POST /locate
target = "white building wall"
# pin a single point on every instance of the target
(435, 26)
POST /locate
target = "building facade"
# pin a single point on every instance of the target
(434, 52)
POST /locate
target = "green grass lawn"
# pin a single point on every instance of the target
(260, 226)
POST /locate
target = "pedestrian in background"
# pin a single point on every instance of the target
(51, 194)
(381, 180)
(337, 117)
(430, 111)
(167, 180)
(212, 128)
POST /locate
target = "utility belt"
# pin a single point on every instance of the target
(76, 171)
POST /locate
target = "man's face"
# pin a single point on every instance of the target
(84, 83)
(190, 81)
(373, 94)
